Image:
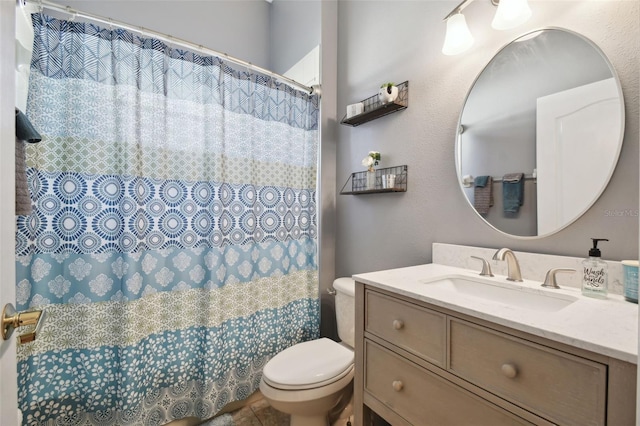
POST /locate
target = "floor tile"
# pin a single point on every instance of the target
(268, 415)
(245, 417)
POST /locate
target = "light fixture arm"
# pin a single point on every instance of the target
(458, 9)
(464, 4)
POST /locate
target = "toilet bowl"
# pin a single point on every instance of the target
(309, 379)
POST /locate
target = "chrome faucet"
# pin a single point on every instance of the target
(513, 268)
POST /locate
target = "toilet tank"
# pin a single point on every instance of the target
(345, 309)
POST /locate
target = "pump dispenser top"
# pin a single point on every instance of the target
(595, 273)
(595, 251)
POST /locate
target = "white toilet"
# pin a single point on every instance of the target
(307, 380)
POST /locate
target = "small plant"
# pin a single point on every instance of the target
(388, 86)
(371, 160)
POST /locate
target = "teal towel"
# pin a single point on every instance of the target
(25, 130)
(512, 192)
(480, 181)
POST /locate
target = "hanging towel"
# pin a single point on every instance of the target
(23, 201)
(512, 192)
(24, 133)
(483, 194)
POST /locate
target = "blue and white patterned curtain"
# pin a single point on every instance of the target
(173, 238)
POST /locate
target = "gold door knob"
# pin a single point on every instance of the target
(12, 320)
(397, 385)
(398, 324)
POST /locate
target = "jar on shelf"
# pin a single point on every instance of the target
(371, 178)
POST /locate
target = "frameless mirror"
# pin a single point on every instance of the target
(547, 115)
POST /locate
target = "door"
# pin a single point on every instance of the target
(577, 131)
(8, 373)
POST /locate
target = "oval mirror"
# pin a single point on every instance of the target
(540, 133)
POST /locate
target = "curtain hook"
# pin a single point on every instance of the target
(40, 6)
(73, 14)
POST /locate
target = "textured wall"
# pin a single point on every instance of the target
(238, 28)
(327, 159)
(295, 31)
(401, 40)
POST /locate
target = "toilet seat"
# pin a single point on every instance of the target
(309, 365)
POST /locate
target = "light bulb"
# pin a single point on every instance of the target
(510, 14)
(458, 37)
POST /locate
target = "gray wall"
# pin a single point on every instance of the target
(238, 28)
(402, 40)
(327, 159)
(295, 31)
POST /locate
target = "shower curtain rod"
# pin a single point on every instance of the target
(176, 41)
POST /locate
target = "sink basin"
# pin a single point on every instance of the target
(502, 293)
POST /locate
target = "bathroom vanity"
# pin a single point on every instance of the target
(439, 345)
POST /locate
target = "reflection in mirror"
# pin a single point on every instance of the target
(547, 115)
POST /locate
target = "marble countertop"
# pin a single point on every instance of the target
(607, 327)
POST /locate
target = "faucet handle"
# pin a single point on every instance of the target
(550, 279)
(486, 267)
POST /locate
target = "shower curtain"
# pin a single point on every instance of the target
(172, 241)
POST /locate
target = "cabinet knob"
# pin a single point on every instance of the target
(509, 370)
(398, 324)
(397, 385)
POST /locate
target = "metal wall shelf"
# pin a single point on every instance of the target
(373, 108)
(359, 181)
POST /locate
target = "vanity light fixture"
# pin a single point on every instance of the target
(510, 14)
(458, 38)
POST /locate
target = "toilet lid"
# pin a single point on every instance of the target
(307, 364)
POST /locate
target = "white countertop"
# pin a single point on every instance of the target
(608, 327)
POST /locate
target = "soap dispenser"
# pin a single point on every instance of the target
(595, 273)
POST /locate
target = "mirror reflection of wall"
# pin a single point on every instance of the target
(500, 127)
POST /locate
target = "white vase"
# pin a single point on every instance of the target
(388, 94)
(371, 179)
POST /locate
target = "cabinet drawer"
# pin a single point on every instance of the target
(560, 387)
(424, 398)
(408, 326)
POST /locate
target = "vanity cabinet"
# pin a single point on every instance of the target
(418, 364)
